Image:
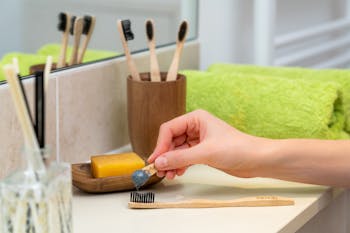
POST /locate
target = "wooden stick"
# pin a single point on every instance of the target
(48, 67)
(258, 201)
(132, 67)
(86, 40)
(65, 37)
(78, 29)
(22, 113)
(34, 161)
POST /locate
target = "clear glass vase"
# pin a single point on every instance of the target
(37, 199)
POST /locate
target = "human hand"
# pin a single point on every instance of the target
(200, 138)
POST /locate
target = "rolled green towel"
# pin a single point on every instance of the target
(269, 107)
(90, 54)
(25, 61)
(342, 77)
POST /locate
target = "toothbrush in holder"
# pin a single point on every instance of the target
(181, 37)
(76, 30)
(63, 26)
(88, 28)
(154, 74)
(124, 28)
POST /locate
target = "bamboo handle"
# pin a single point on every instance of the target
(150, 169)
(172, 72)
(86, 41)
(78, 29)
(155, 73)
(258, 201)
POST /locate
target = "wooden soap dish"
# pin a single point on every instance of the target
(83, 180)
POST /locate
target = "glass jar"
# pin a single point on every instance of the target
(37, 199)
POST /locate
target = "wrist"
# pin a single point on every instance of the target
(266, 157)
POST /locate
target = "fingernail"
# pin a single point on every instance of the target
(161, 162)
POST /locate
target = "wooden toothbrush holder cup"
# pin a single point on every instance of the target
(149, 105)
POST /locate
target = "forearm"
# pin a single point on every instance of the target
(325, 162)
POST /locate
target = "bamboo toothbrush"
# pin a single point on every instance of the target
(155, 74)
(146, 201)
(181, 37)
(124, 28)
(23, 116)
(76, 30)
(88, 28)
(140, 177)
(64, 26)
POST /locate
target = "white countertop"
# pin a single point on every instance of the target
(104, 213)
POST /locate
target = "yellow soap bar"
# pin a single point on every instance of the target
(115, 165)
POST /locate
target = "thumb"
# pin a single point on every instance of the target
(179, 158)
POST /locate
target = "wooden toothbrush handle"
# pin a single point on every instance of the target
(258, 201)
(150, 169)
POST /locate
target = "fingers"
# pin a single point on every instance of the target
(173, 129)
(172, 173)
(181, 158)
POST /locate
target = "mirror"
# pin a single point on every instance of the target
(30, 27)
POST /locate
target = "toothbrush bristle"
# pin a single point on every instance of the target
(146, 197)
(128, 34)
(87, 24)
(182, 31)
(62, 21)
(149, 29)
(72, 22)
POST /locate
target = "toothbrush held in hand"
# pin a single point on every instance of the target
(155, 74)
(88, 28)
(181, 37)
(64, 26)
(124, 28)
(76, 30)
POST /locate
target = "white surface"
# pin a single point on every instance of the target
(109, 213)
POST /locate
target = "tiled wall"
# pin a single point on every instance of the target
(91, 109)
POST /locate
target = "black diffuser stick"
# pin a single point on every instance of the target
(40, 108)
(25, 97)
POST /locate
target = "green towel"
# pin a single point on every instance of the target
(269, 107)
(90, 54)
(342, 77)
(25, 61)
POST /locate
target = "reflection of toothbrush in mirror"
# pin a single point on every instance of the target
(88, 28)
(140, 177)
(124, 28)
(154, 73)
(181, 37)
(76, 30)
(63, 26)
